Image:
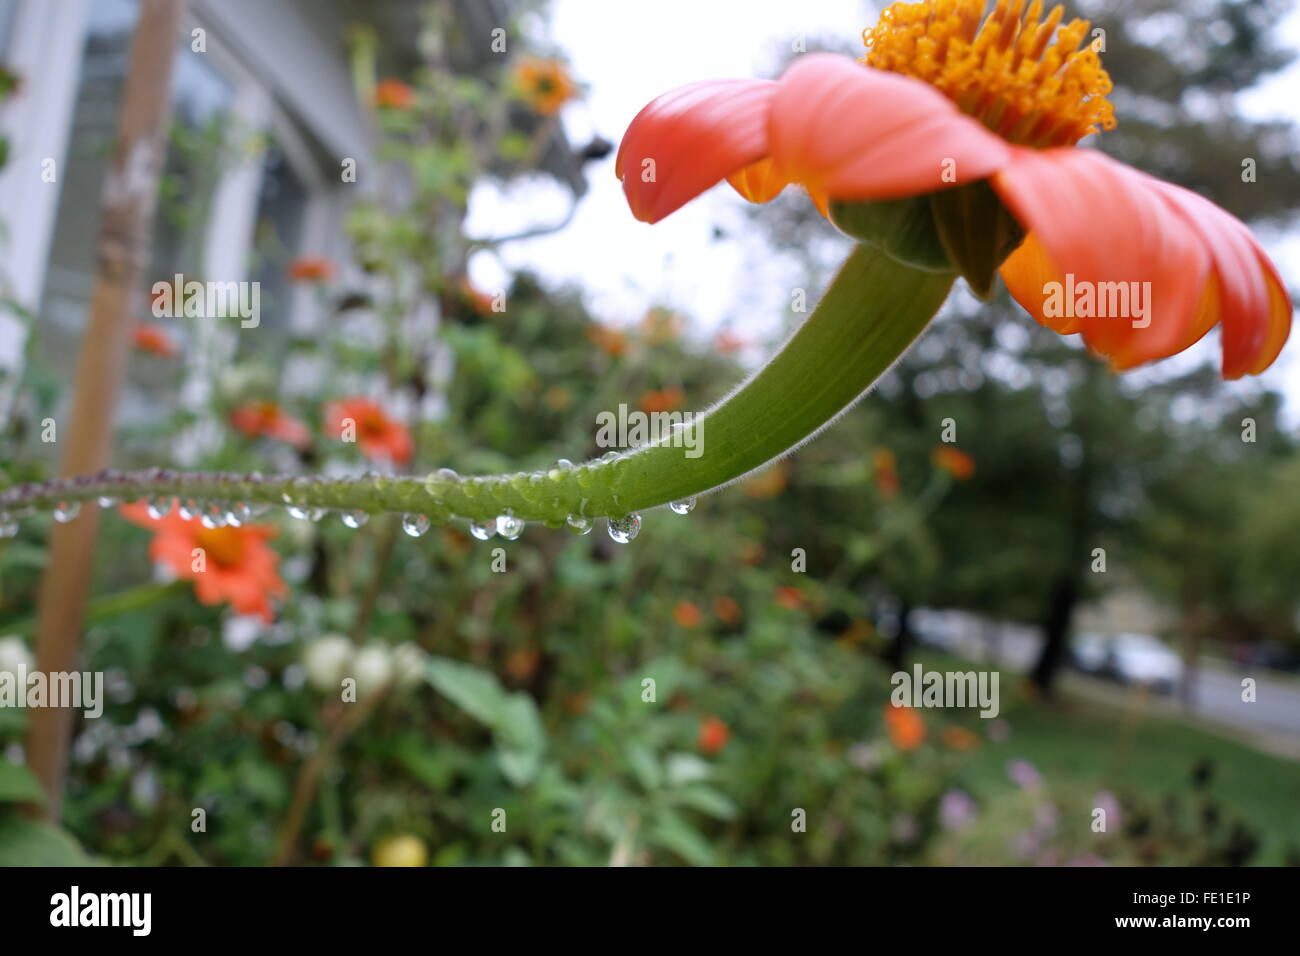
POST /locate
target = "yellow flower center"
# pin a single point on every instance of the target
(225, 546)
(1018, 74)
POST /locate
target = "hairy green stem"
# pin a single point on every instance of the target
(873, 311)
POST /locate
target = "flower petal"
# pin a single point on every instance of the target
(1253, 305)
(852, 132)
(1118, 242)
(690, 139)
(758, 182)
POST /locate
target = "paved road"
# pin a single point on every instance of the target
(1274, 715)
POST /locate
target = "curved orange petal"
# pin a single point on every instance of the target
(1253, 305)
(1027, 272)
(1102, 225)
(758, 182)
(852, 132)
(690, 139)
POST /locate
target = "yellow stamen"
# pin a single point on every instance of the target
(1022, 76)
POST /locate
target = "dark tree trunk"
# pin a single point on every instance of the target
(900, 648)
(1056, 633)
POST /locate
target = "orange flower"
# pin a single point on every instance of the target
(557, 398)
(687, 615)
(752, 553)
(768, 483)
(727, 610)
(663, 400)
(235, 566)
(477, 300)
(268, 420)
(311, 269)
(393, 94)
(789, 598)
(378, 435)
(714, 735)
(661, 325)
(522, 664)
(905, 726)
(959, 738)
(885, 467)
(609, 340)
(954, 461)
(545, 85)
(153, 339)
(991, 111)
(727, 343)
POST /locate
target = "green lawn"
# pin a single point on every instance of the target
(1078, 742)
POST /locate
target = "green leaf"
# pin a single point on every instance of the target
(674, 833)
(708, 801)
(26, 842)
(513, 718)
(19, 785)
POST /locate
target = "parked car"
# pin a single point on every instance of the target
(1137, 659)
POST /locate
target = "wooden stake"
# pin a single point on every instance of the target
(129, 198)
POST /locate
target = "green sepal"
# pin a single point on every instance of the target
(902, 228)
(976, 231)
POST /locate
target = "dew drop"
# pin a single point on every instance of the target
(106, 501)
(159, 507)
(483, 529)
(623, 530)
(508, 526)
(683, 507)
(578, 524)
(214, 516)
(239, 513)
(65, 511)
(354, 519)
(301, 512)
(415, 525)
(258, 509)
(447, 474)
(563, 464)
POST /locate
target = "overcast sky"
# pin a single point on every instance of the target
(628, 53)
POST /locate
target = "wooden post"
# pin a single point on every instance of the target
(129, 198)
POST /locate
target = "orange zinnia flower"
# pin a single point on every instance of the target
(311, 269)
(544, 84)
(769, 482)
(236, 566)
(954, 461)
(661, 325)
(789, 598)
(609, 340)
(687, 615)
(476, 299)
(728, 342)
(393, 94)
(714, 735)
(981, 118)
(886, 472)
(662, 400)
(905, 726)
(153, 339)
(727, 610)
(268, 420)
(378, 435)
(959, 738)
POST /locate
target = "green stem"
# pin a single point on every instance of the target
(873, 311)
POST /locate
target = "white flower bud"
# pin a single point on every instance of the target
(15, 657)
(327, 661)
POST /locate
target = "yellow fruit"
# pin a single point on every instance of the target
(403, 850)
